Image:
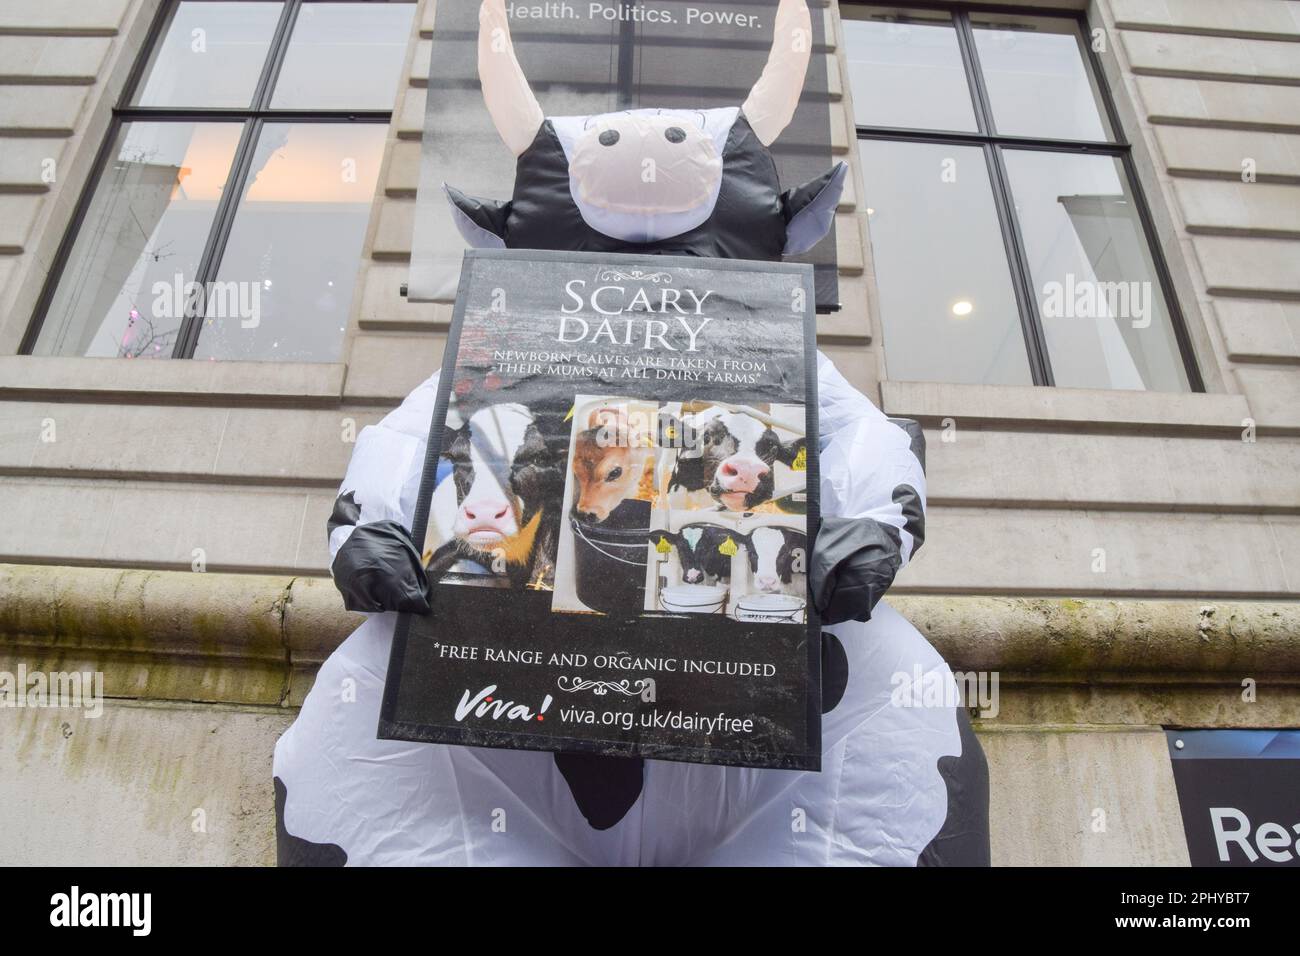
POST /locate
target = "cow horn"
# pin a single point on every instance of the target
(511, 103)
(772, 101)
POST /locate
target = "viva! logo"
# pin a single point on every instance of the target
(483, 704)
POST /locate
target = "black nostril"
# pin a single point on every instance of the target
(674, 134)
(609, 137)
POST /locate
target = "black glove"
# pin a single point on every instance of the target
(379, 569)
(854, 561)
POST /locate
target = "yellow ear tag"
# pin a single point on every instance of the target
(663, 547)
(670, 432)
(728, 547)
(800, 462)
(570, 415)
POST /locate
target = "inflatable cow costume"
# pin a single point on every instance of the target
(900, 784)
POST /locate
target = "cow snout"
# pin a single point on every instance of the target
(485, 521)
(595, 507)
(768, 584)
(741, 473)
(485, 511)
(693, 575)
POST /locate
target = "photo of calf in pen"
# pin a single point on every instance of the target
(731, 458)
(498, 508)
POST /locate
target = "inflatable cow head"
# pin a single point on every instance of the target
(680, 182)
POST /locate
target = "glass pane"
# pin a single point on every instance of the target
(948, 309)
(1105, 316)
(905, 69)
(123, 289)
(210, 55)
(344, 56)
(1037, 81)
(285, 283)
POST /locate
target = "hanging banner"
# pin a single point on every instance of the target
(616, 511)
(1239, 791)
(583, 59)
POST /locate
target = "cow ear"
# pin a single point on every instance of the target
(481, 222)
(788, 451)
(810, 209)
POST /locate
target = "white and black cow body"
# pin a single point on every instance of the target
(345, 797)
(899, 785)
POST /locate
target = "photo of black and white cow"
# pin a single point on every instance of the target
(496, 505)
(751, 567)
(776, 555)
(729, 459)
(702, 551)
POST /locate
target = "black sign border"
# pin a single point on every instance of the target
(391, 729)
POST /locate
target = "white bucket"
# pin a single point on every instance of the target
(693, 598)
(770, 609)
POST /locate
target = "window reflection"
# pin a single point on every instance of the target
(947, 305)
(211, 55)
(905, 69)
(1046, 240)
(123, 290)
(1036, 79)
(1104, 315)
(287, 247)
(344, 56)
(285, 283)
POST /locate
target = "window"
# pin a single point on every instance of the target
(234, 188)
(1011, 244)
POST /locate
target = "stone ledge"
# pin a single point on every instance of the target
(173, 635)
(192, 381)
(1066, 409)
(258, 639)
(1245, 19)
(1075, 637)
